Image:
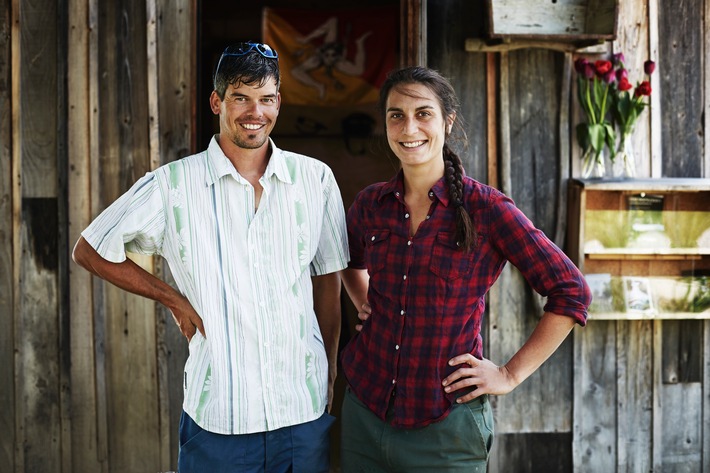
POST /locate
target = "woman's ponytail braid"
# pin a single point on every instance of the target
(465, 232)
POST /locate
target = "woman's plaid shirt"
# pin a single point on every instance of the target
(427, 296)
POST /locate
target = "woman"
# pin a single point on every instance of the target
(425, 248)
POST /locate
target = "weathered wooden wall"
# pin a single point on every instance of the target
(93, 94)
(7, 287)
(619, 395)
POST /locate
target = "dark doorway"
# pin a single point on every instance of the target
(349, 139)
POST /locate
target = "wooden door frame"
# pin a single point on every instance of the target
(413, 33)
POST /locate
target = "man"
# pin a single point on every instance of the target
(255, 237)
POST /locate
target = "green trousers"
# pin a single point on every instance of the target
(460, 442)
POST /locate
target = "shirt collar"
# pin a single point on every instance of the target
(396, 186)
(218, 165)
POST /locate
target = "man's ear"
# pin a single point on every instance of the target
(215, 102)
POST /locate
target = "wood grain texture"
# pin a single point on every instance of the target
(467, 74)
(38, 96)
(7, 341)
(80, 83)
(175, 79)
(633, 41)
(634, 404)
(595, 394)
(680, 56)
(129, 417)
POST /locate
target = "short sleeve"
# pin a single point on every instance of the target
(135, 223)
(332, 254)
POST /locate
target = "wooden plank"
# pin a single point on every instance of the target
(534, 102)
(63, 305)
(131, 374)
(595, 424)
(634, 340)
(705, 401)
(38, 432)
(413, 33)
(533, 452)
(565, 156)
(38, 97)
(706, 88)
(682, 441)
(84, 436)
(658, 421)
(125, 324)
(492, 119)
(16, 199)
(563, 20)
(7, 303)
(680, 54)
(632, 40)
(504, 143)
(38, 336)
(446, 54)
(174, 107)
(682, 351)
(656, 112)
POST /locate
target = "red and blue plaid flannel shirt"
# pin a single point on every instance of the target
(427, 296)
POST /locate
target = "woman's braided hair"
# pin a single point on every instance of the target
(465, 232)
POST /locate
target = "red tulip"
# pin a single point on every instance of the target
(580, 64)
(624, 84)
(618, 58)
(644, 88)
(589, 71)
(649, 66)
(602, 67)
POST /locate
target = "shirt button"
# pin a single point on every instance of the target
(404, 277)
(406, 215)
(402, 312)
(431, 194)
(373, 238)
(394, 381)
(396, 347)
(409, 243)
(427, 217)
(397, 194)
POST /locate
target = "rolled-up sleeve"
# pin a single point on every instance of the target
(135, 222)
(544, 265)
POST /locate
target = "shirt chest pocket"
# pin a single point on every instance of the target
(376, 248)
(448, 261)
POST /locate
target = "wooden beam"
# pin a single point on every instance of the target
(492, 119)
(413, 33)
(656, 111)
(477, 45)
(505, 171)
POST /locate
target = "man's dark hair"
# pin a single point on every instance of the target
(252, 68)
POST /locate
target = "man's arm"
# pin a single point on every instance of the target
(326, 303)
(132, 278)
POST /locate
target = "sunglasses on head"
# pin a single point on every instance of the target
(240, 49)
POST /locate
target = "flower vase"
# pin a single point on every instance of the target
(624, 162)
(593, 163)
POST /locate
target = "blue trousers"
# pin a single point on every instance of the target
(302, 448)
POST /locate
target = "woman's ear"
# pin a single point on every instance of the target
(450, 123)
